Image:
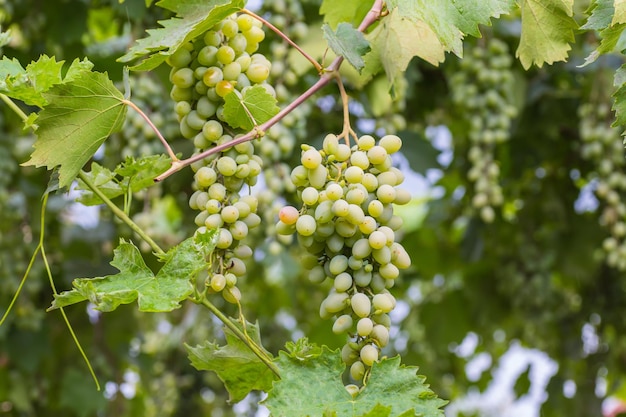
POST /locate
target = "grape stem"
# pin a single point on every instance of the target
(327, 75)
(120, 213)
(167, 146)
(347, 128)
(255, 348)
(317, 65)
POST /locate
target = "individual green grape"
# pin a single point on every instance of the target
(361, 304)
(357, 370)
(342, 324)
(364, 326)
(369, 355)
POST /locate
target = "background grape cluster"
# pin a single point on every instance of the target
(482, 90)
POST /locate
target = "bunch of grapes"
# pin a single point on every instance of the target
(137, 138)
(348, 227)
(602, 144)
(220, 62)
(482, 90)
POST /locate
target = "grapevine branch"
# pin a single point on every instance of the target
(326, 77)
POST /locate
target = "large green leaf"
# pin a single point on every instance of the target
(82, 113)
(235, 364)
(135, 281)
(392, 390)
(193, 17)
(547, 31)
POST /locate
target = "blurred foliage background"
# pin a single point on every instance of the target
(541, 273)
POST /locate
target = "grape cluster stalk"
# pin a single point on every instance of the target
(348, 227)
(220, 62)
(482, 91)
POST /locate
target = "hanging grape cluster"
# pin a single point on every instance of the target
(204, 71)
(602, 144)
(482, 91)
(347, 225)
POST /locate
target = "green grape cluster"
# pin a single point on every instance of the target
(482, 91)
(137, 138)
(602, 144)
(348, 227)
(220, 62)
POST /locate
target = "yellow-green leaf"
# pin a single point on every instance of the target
(547, 31)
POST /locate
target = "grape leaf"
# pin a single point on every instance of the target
(28, 84)
(601, 18)
(140, 173)
(104, 179)
(620, 12)
(347, 42)
(392, 390)
(620, 96)
(600, 15)
(193, 17)
(82, 113)
(135, 281)
(547, 31)
(237, 367)
(253, 107)
(350, 11)
(450, 20)
(136, 175)
(396, 40)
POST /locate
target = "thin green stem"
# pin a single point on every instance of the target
(41, 247)
(256, 349)
(120, 213)
(13, 107)
(21, 286)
